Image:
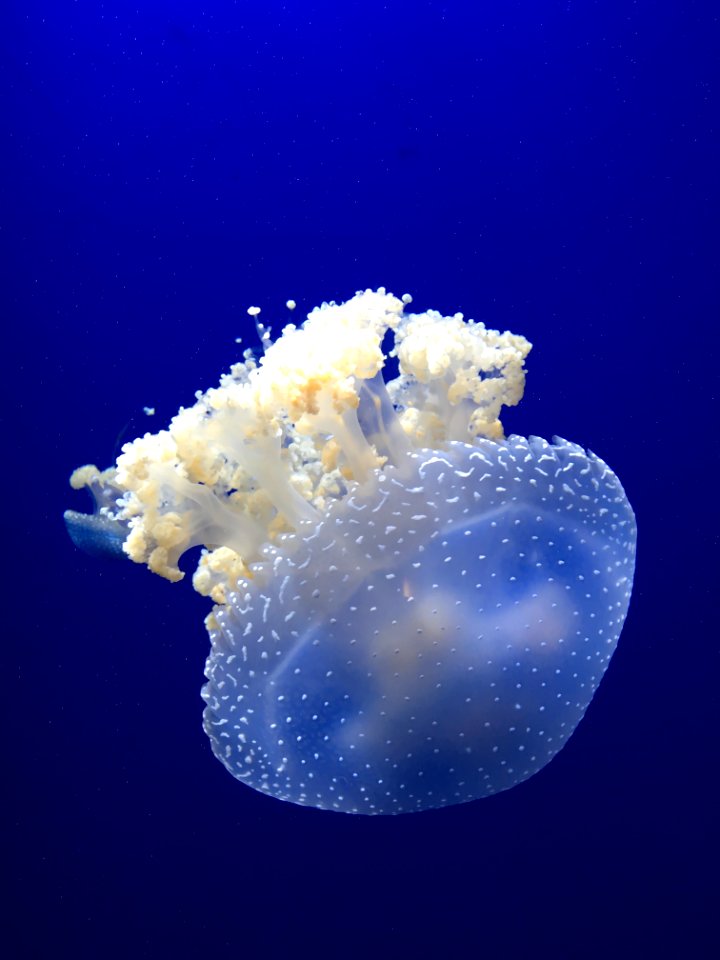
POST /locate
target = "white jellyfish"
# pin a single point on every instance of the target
(411, 611)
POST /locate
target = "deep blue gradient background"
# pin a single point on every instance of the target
(548, 167)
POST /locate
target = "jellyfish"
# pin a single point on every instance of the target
(410, 610)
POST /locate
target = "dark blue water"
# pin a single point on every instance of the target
(545, 167)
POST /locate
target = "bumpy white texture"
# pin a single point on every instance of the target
(276, 441)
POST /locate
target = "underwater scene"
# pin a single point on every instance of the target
(361, 380)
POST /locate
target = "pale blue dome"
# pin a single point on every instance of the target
(434, 640)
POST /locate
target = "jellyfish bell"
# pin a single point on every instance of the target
(411, 610)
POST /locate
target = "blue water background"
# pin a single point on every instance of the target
(546, 167)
